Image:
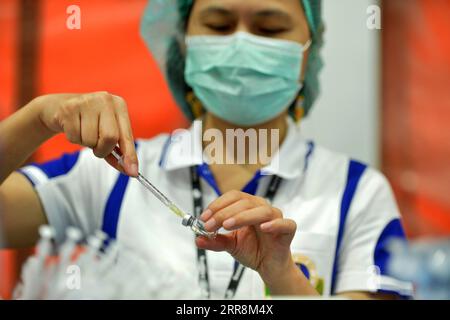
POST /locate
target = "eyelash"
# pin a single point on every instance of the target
(219, 28)
(272, 31)
(266, 31)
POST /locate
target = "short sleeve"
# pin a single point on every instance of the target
(373, 220)
(73, 190)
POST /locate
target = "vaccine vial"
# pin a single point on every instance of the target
(197, 227)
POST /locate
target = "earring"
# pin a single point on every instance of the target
(195, 104)
(299, 111)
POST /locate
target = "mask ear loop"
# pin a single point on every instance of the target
(299, 110)
(307, 45)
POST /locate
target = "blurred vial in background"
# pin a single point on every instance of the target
(425, 263)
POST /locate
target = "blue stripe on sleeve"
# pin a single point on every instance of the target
(355, 172)
(393, 230)
(59, 167)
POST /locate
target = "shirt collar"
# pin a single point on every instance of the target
(184, 149)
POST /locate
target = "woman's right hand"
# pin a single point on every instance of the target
(96, 120)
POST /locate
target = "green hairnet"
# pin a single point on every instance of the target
(163, 26)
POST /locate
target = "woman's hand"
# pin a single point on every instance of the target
(96, 120)
(260, 239)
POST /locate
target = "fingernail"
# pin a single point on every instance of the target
(209, 226)
(229, 223)
(134, 170)
(206, 215)
(266, 226)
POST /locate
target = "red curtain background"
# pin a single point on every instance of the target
(416, 111)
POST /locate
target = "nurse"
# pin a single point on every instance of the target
(313, 222)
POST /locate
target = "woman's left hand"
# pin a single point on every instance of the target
(260, 237)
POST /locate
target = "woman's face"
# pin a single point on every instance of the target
(278, 19)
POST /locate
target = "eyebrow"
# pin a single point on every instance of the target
(273, 13)
(263, 14)
(218, 11)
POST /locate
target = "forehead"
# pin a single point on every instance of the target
(289, 6)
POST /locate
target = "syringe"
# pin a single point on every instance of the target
(190, 221)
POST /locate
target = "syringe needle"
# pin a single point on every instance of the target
(188, 220)
(158, 194)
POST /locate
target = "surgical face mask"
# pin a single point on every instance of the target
(244, 79)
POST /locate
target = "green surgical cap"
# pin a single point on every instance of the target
(163, 29)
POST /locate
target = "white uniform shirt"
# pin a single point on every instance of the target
(345, 212)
